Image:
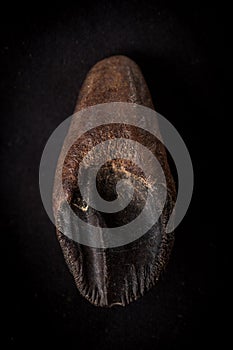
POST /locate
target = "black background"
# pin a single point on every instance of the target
(45, 55)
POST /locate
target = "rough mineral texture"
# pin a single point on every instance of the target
(114, 276)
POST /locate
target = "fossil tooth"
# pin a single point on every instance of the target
(120, 275)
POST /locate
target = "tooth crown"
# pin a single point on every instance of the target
(114, 276)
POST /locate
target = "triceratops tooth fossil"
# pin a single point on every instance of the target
(119, 275)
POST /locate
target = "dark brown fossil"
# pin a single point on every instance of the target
(114, 276)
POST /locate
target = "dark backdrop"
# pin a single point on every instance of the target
(45, 55)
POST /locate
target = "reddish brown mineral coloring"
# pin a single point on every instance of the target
(114, 276)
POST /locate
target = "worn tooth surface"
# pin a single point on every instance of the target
(114, 276)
